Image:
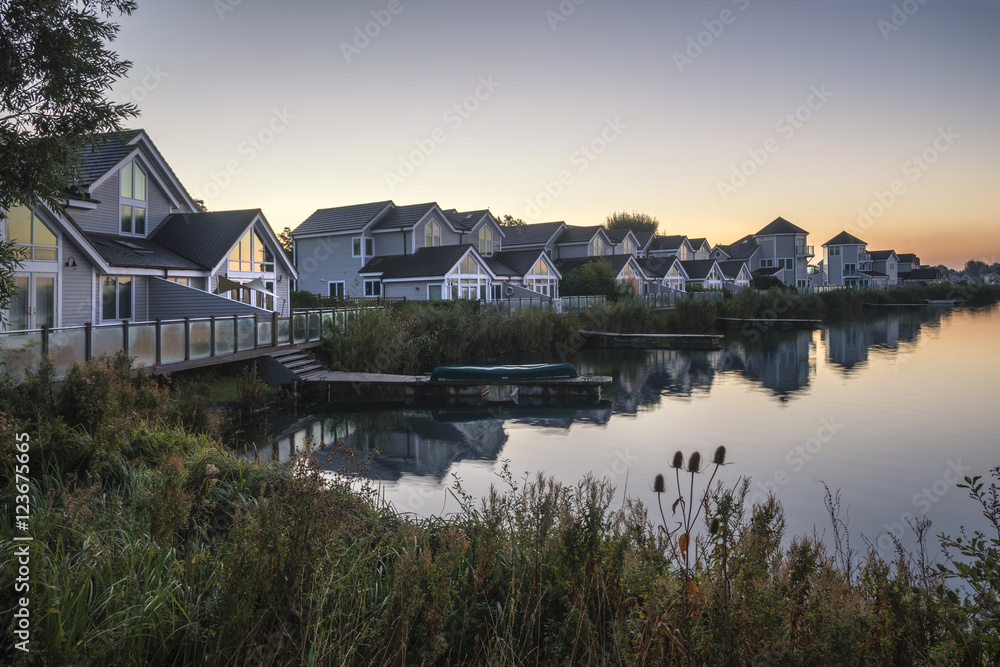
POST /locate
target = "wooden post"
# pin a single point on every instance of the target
(187, 339)
(211, 337)
(45, 340)
(158, 343)
(236, 332)
(256, 342)
(125, 336)
(274, 328)
(88, 341)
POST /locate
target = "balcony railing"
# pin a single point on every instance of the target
(805, 251)
(163, 342)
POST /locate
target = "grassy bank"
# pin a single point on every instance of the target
(415, 337)
(154, 545)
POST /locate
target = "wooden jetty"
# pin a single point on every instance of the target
(894, 305)
(658, 341)
(761, 323)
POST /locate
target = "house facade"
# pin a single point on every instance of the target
(129, 244)
(783, 248)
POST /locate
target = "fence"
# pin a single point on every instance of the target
(568, 304)
(164, 342)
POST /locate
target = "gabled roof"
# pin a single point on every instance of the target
(574, 234)
(466, 219)
(406, 216)
(643, 238)
(843, 238)
(742, 249)
(107, 151)
(770, 271)
(781, 226)
(617, 262)
(520, 261)
(697, 243)
(340, 218)
(731, 269)
(881, 254)
(138, 252)
(539, 233)
(424, 263)
(659, 266)
(698, 269)
(908, 257)
(665, 243)
(920, 274)
(205, 238)
(618, 236)
(874, 274)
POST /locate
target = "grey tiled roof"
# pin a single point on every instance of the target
(499, 268)
(404, 216)
(881, 254)
(578, 234)
(673, 242)
(536, 234)
(698, 268)
(697, 243)
(465, 219)
(658, 266)
(742, 249)
(426, 262)
(137, 252)
(843, 238)
(908, 257)
(107, 151)
(520, 261)
(781, 226)
(732, 268)
(341, 218)
(643, 238)
(204, 238)
(618, 235)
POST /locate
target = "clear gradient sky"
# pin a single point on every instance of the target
(714, 116)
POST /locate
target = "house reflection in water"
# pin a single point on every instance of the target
(418, 443)
(782, 362)
(848, 343)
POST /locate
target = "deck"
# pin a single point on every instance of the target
(643, 341)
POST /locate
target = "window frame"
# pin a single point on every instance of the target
(432, 234)
(117, 298)
(31, 245)
(342, 290)
(373, 293)
(357, 247)
(485, 241)
(132, 202)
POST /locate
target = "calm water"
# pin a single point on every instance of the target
(885, 408)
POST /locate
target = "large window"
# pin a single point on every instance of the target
(132, 180)
(470, 283)
(373, 288)
(485, 241)
(432, 234)
(30, 235)
(628, 247)
(251, 255)
(116, 298)
(336, 289)
(598, 246)
(787, 264)
(835, 251)
(541, 280)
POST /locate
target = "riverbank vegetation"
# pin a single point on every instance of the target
(153, 544)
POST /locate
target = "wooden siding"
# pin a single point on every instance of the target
(172, 301)
(76, 287)
(324, 259)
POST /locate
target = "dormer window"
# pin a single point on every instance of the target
(628, 247)
(432, 234)
(251, 256)
(598, 246)
(133, 199)
(485, 241)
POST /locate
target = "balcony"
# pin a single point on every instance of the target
(804, 251)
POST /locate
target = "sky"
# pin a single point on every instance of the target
(715, 117)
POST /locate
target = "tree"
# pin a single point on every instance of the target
(595, 277)
(285, 239)
(636, 221)
(976, 268)
(511, 221)
(11, 255)
(55, 69)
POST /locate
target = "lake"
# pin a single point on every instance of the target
(891, 409)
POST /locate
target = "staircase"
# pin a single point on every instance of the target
(292, 366)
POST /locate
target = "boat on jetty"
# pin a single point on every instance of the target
(500, 373)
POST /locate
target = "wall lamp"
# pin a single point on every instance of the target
(71, 263)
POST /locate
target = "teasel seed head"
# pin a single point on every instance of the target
(659, 485)
(720, 456)
(678, 460)
(713, 527)
(694, 462)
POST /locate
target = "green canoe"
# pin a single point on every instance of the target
(497, 373)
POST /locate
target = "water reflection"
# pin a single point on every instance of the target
(428, 443)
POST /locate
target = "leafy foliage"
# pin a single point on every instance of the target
(55, 70)
(593, 278)
(635, 221)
